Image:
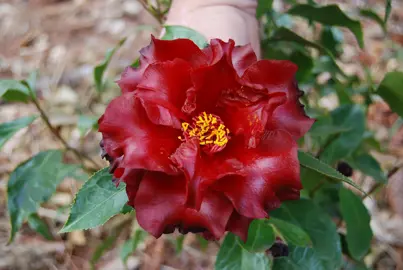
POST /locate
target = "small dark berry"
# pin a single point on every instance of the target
(279, 249)
(345, 169)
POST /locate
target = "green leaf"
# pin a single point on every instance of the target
(202, 242)
(351, 265)
(326, 251)
(281, 19)
(126, 209)
(263, 6)
(271, 51)
(260, 236)
(349, 116)
(388, 9)
(357, 218)
(319, 129)
(86, 123)
(343, 94)
(370, 143)
(126, 250)
(232, 256)
(327, 197)
(390, 90)
(284, 34)
(305, 65)
(300, 258)
(32, 183)
(8, 129)
(332, 38)
(79, 174)
(179, 243)
(12, 90)
(325, 63)
(136, 63)
(370, 14)
(311, 180)
(291, 233)
(369, 166)
(308, 161)
(99, 70)
(330, 15)
(131, 245)
(177, 31)
(293, 2)
(96, 202)
(40, 226)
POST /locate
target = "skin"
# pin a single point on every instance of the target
(222, 19)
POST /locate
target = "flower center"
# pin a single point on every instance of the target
(209, 129)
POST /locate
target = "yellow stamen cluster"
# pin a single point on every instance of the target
(208, 129)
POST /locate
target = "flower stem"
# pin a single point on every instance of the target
(376, 186)
(156, 12)
(81, 156)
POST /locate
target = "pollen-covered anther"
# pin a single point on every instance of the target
(209, 129)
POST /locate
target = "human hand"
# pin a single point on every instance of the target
(222, 19)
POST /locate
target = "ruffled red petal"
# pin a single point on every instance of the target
(291, 116)
(274, 76)
(167, 80)
(239, 225)
(209, 83)
(216, 210)
(250, 121)
(239, 57)
(164, 84)
(217, 82)
(270, 75)
(242, 58)
(250, 178)
(161, 51)
(127, 131)
(168, 50)
(218, 50)
(201, 170)
(270, 168)
(132, 178)
(159, 201)
(160, 207)
(131, 77)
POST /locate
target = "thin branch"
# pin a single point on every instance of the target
(79, 155)
(372, 190)
(378, 185)
(393, 171)
(158, 6)
(157, 14)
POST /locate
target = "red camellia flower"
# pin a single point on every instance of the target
(205, 140)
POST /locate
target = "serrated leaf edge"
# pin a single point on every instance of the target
(12, 236)
(342, 177)
(65, 229)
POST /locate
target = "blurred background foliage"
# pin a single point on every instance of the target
(57, 75)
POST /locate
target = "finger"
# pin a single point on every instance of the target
(222, 19)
